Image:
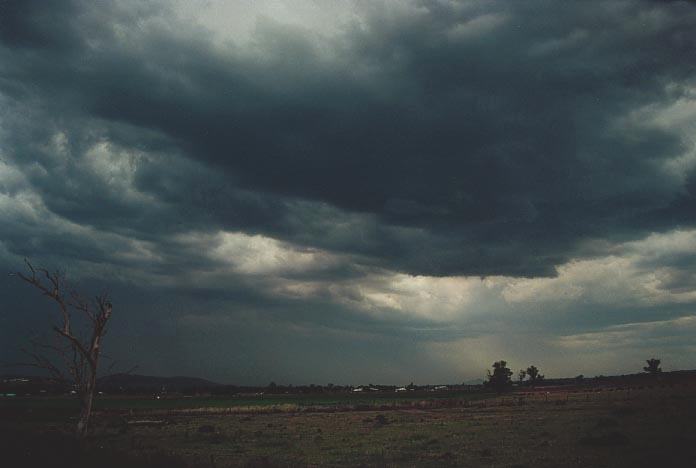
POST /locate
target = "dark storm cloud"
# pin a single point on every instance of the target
(499, 146)
(30, 24)
(431, 138)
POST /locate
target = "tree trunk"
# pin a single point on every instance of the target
(86, 408)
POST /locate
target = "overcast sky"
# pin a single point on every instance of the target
(352, 191)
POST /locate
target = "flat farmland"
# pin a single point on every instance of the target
(622, 428)
(309, 401)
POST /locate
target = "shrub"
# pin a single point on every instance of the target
(381, 420)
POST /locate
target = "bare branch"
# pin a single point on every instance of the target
(78, 302)
(75, 342)
(42, 362)
(56, 280)
(81, 353)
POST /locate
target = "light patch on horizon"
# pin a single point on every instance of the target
(261, 255)
(441, 299)
(614, 280)
(643, 334)
(605, 280)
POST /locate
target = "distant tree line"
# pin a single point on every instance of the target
(500, 379)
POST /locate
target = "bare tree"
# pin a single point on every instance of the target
(79, 350)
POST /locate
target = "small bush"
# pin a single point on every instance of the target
(381, 420)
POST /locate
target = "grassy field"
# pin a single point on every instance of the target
(648, 427)
(304, 401)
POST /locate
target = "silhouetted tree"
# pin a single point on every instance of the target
(521, 375)
(653, 366)
(534, 375)
(78, 342)
(500, 378)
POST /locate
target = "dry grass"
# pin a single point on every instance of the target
(653, 427)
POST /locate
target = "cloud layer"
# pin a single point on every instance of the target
(404, 180)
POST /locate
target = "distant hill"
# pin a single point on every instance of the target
(129, 382)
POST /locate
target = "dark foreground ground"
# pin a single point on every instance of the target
(619, 428)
